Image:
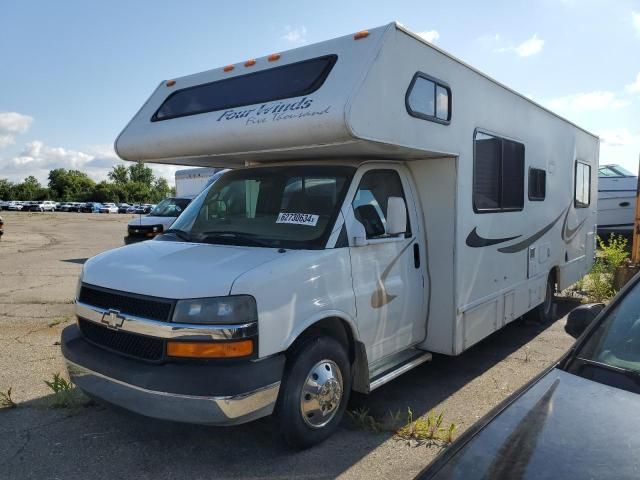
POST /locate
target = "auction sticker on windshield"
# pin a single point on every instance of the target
(298, 218)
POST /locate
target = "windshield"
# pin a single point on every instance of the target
(289, 207)
(170, 207)
(616, 340)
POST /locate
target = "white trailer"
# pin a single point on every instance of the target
(387, 201)
(191, 181)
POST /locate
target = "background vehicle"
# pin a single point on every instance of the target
(545, 430)
(1, 228)
(14, 205)
(108, 208)
(158, 220)
(191, 181)
(123, 207)
(616, 200)
(91, 207)
(41, 206)
(369, 220)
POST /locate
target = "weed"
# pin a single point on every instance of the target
(364, 420)
(423, 429)
(56, 321)
(6, 401)
(64, 392)
(598, 283)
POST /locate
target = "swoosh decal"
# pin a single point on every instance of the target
(569, 234)
(475, 241)
(528, 241)
(380, 297)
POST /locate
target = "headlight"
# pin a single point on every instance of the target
(217, 310)
(79, 285)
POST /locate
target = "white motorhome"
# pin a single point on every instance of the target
(191, 181)
(386, 201)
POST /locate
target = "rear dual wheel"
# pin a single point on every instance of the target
(314, 391)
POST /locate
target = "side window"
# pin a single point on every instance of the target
(429, 99)
(498, 174)
(582, 197)
(371, 199)
(537, 184)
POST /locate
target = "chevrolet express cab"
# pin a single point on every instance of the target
(386, 201)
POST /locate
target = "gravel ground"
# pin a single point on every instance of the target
(40, 258)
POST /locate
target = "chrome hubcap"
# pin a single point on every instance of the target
(321, 394)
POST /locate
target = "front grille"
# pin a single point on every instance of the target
(145, 307)
(131, 344)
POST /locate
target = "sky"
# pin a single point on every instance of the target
(73, 73)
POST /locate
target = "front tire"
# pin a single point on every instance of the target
(314, 392)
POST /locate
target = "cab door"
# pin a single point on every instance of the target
(387, 270)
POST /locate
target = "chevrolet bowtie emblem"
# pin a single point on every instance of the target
(112, 319)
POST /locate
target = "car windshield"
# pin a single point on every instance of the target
(288, 207)
(170, 207)
(616, 340)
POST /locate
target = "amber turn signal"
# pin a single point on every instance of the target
(242, 348)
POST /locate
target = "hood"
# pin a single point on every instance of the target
(564, 426)
(141, 220)
(174, 269)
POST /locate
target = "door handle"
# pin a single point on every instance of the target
(416, 255)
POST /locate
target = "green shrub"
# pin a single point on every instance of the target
(599, 281)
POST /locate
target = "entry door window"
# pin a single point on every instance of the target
(372, 197)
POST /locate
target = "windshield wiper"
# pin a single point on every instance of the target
(181, 234)
(245, 238)
(633, 374)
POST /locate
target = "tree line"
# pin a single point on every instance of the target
(135, 183)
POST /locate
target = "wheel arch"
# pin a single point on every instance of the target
(342, 328)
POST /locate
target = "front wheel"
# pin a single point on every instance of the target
(314, 392)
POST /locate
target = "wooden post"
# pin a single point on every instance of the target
(635, 250)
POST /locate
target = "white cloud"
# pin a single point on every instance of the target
(296, 35)
(620, 137)
(529, 47)
(37, 159)
(634, 87)
(11, 125)
(635, 20)
(430, 36)
(581, 102)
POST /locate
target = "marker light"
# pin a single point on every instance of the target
(242, 348)
(228, 68)
(360, 35)
(250, 63)
(273, 57)
(170, 83)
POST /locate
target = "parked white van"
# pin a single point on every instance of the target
(386, 201)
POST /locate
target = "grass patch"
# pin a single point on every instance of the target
(57, 321)
(426, 429)
(65, 394)
(6, 401)
(598, 284)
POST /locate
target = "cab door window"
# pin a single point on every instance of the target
(372, 197)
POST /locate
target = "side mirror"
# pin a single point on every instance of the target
(396, 216)
(581, 317)
(359, 234)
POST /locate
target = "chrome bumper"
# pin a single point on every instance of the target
(232, 410)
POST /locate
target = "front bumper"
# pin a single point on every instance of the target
(211, 393)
